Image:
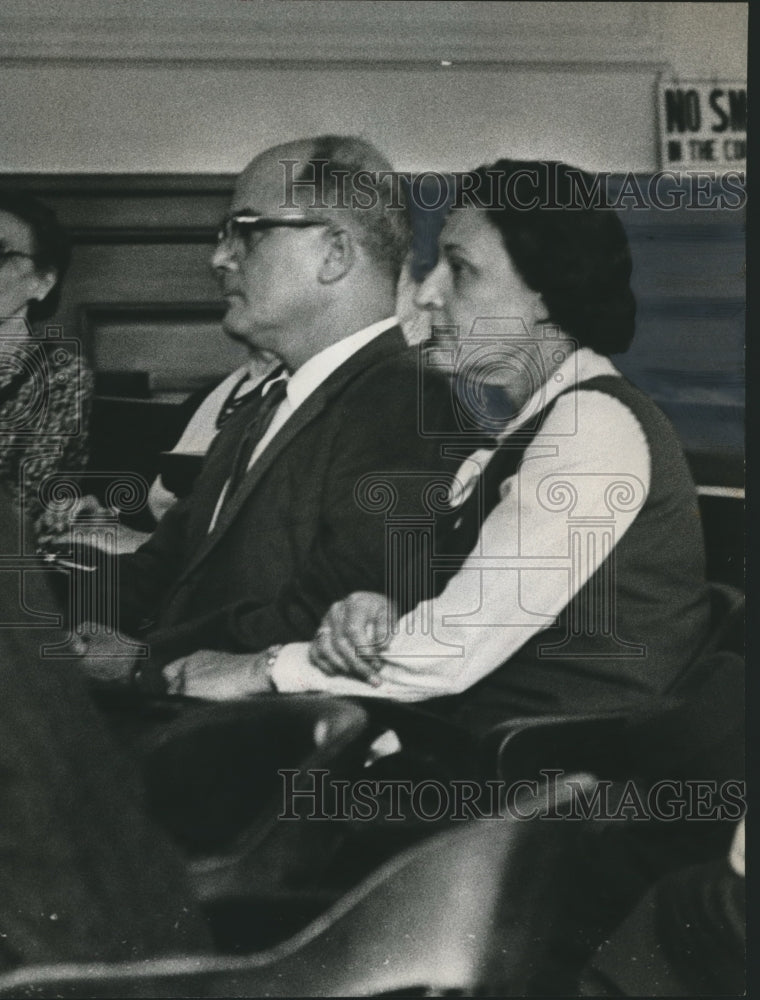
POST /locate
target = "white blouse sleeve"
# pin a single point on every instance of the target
(589, 466)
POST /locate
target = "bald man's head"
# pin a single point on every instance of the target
(313, 246)
(337, 178)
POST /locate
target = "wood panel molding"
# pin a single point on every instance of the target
(132, 209)
(95, 313)
(297, 32)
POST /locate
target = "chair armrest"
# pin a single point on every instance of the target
(215, 769)
(593, 742)
(430, 744)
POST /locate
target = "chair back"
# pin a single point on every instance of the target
(699, 722)
(455, 913)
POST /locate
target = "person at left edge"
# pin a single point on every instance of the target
(312, 278)
(45, 387)
(85, 876)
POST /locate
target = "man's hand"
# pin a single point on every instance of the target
(107, 659)
(218, 676)
(352, 636)
(53, 528)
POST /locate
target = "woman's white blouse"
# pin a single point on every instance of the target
(522, 573)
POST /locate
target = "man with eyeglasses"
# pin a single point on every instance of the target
(277, 528)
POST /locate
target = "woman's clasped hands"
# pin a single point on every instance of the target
(353, 635)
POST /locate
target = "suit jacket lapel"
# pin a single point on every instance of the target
(381, 347)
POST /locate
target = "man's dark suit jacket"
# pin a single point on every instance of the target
(293, 539)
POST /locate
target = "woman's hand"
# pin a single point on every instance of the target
(353, 635)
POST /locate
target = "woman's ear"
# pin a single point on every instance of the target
(339, 255)
(42, 284)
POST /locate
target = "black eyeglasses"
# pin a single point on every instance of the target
(239, 225)
(6, 255)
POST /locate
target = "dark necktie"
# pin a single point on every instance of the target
(254, 432)
(236, 399)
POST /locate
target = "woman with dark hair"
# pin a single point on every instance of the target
(584, 586)
(45, 389)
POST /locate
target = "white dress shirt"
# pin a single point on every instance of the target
(201, 429)
(520, 575)
(303, 382)
(16, 327)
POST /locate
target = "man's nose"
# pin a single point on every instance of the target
(222, 259)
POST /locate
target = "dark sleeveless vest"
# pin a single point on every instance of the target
(640, 619)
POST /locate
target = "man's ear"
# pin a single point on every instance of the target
(339, 255)
(44, 282)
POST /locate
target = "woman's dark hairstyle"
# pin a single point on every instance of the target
(564, 243)
(50, 243)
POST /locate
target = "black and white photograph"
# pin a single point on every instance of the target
(372, 484)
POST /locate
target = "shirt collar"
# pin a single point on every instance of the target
(316, 370)
(15, 326)
(579, 366)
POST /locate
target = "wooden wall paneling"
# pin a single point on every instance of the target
(688, 352)
(140, 282)
(142, 245)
